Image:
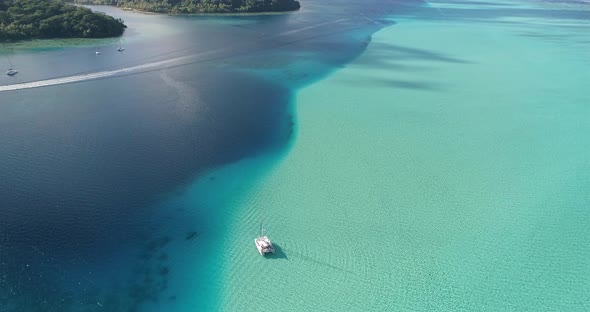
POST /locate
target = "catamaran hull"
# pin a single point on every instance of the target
(258, 247)
(263, 250)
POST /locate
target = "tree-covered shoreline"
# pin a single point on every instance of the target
(35, 19)
(201, 6)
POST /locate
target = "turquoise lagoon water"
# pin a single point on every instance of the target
(111, 198)
(445, 169)
(439, 164)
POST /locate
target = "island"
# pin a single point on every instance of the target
(34, 19)
(201, 6)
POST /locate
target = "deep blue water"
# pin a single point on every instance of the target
(86, 169)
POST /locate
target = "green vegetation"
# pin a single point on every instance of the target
(28, 19)
(201, 6)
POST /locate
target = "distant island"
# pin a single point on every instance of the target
(201, 6)
(32, 19)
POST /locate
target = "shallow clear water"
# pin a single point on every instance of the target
(107, 199)
(445, 168)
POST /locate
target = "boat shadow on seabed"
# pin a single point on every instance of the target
(278, 254)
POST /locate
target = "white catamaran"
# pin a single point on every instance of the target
(121, 48)
(11, 72)
(263, 244)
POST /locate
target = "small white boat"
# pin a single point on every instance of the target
(121, 49)
(97, 53)
(263, 244)
(11, 72)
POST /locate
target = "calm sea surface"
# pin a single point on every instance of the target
(400, 153)
(94, 174)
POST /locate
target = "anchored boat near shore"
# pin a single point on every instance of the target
(11, 71)
(263, 244)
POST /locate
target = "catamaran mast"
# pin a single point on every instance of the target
(8, 58)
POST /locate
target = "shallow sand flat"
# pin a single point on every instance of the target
(445, 169)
